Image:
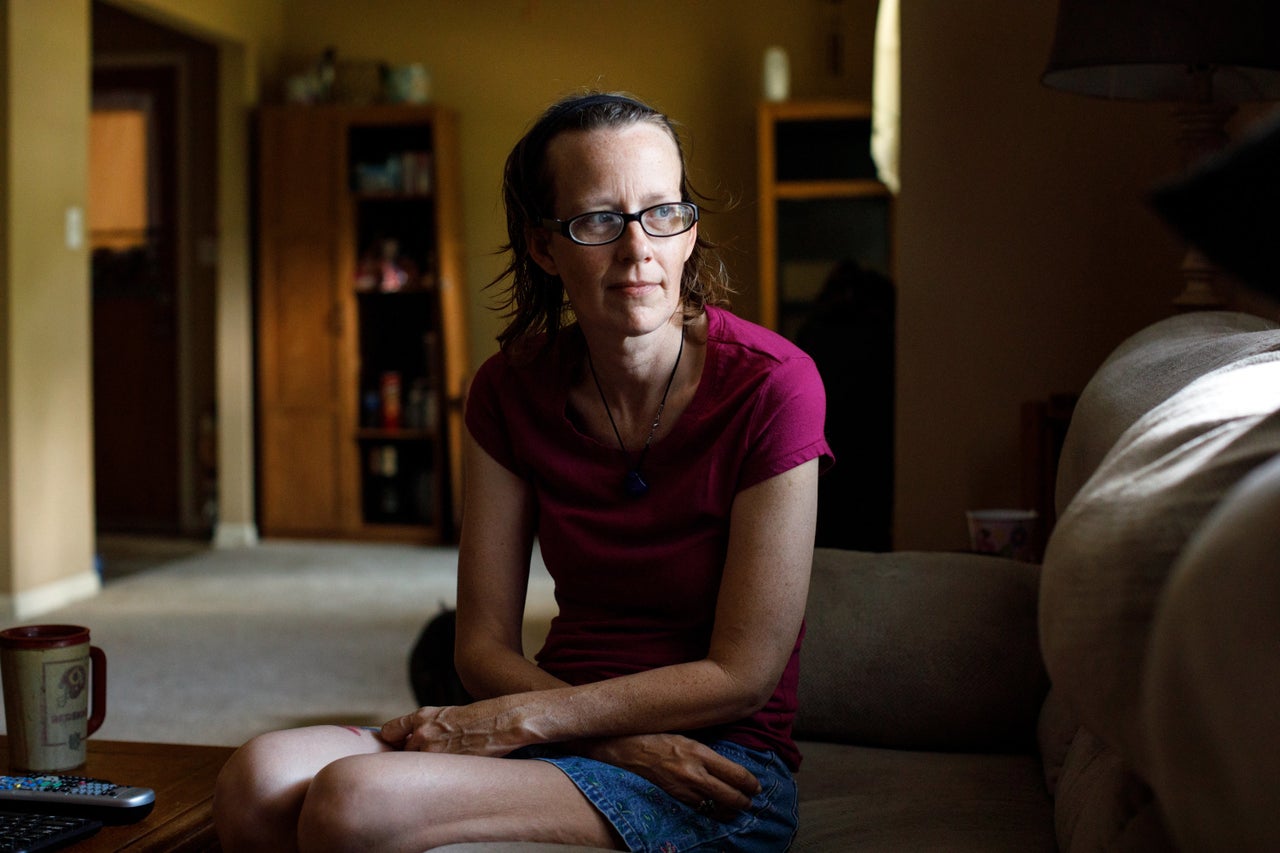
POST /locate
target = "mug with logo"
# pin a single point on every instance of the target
(50, 674)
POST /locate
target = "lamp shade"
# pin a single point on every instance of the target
(1146, 50)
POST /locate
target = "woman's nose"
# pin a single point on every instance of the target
(634, 244)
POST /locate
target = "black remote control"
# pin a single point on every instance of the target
(76, 795)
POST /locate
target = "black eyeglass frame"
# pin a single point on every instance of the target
(563, 226)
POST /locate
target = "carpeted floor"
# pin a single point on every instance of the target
(215, 646)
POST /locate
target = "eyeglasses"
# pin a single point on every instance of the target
(604, 226)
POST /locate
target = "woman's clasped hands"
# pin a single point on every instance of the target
(688, 770)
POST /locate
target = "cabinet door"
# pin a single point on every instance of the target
(300, 317)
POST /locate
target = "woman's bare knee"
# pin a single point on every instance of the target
(260, 791)
(257, 798)
(340, 811)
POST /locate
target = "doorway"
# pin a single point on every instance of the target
(152, 217)
(133, 234)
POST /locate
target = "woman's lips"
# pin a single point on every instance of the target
(634, 286)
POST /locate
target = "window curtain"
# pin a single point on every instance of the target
(885, 93)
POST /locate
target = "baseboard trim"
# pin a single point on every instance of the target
(235, 535)
(51, 596)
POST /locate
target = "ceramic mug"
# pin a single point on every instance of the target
(1004, 532)
(50, 673)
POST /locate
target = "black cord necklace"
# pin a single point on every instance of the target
(634, 484)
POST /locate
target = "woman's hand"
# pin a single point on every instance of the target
(692, 772)
(488, 728)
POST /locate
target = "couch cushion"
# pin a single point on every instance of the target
(1108, 558)
(1144, 371)
(921, 651)
(868, 800)
(1213, 685)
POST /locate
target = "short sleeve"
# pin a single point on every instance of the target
(788, 424)
(485, 418)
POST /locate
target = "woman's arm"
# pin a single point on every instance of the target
(758, 616)
(492, 581)
(493, 578)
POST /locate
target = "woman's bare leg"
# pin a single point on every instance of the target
(260, 790)
(335, 788)
(414, 801)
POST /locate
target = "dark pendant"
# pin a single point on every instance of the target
(635, 484)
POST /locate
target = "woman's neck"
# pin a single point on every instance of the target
(633, 379)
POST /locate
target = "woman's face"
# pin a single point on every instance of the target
(632, 285)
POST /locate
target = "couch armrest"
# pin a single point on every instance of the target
(1212, 690)
(1145, 370)
(916, 650)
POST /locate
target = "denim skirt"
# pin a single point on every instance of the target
(650, 820)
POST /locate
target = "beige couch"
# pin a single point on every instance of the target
(926, 714)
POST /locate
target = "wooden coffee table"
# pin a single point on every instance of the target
(182, 777)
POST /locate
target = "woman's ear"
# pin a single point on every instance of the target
(693, 241)
(539, 241)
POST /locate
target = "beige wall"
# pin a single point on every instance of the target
(253, 26)
(1024, 252)
(46, 512)
(46, 494)
(1026, 249)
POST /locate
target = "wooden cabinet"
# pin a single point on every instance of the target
(361, 335)
(820, 203)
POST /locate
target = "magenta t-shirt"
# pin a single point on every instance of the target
(637, 577)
